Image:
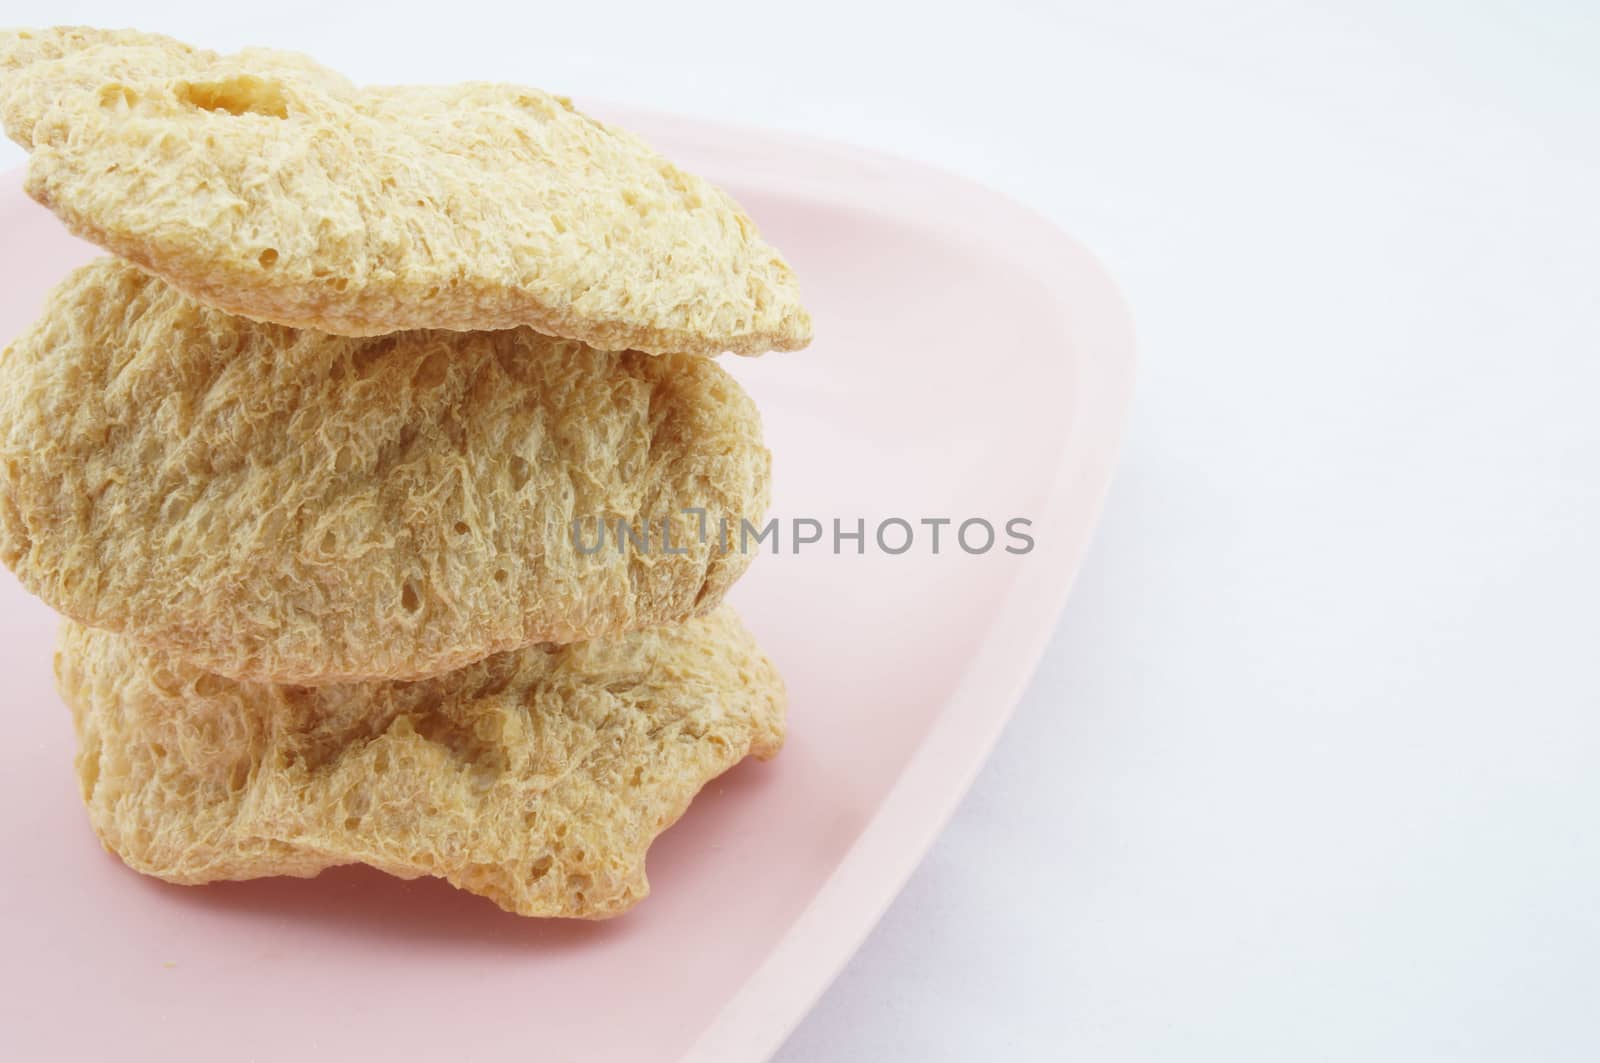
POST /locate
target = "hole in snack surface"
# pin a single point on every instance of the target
(207, 685)
(116, 96)
(432, 371)
(245, 94)
(268, 258)
(410, 600)
(519, 472)
(366, 360)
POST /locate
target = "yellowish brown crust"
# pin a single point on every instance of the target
(295, 507)
(536, 778)
(270, 187)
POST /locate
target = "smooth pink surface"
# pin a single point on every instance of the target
(970, 361)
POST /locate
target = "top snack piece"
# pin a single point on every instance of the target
(270, 187)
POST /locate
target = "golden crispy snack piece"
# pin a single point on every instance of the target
(270, 187)
(295, 507)
(537, 778)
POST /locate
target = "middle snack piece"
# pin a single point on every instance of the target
(288, 506)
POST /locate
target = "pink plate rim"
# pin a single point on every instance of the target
(765, 1010)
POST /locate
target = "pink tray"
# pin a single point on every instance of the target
(970, 361)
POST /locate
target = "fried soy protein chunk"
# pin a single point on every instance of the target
(271, 187)
(536, 778)
(289, 506)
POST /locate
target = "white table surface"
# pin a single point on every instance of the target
(1310, 769)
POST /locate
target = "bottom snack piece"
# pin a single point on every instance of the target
(537, 778)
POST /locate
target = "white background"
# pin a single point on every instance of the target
(1310, 769)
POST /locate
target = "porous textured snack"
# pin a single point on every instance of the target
(290, 506)
(265, 185)
(536, 778)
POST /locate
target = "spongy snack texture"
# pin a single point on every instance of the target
(295, 507)
(536, 778)
(265, 185)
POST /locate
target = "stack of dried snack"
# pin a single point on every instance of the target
(305, 463)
